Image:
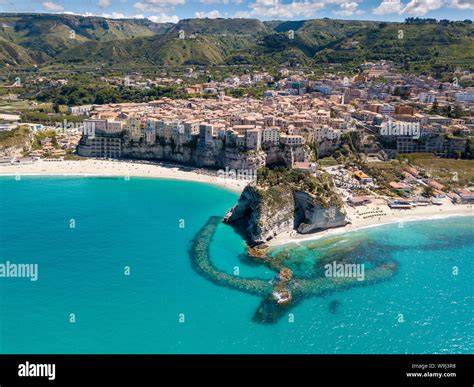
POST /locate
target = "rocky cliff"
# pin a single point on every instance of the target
(215, 154)
(265, 212)
(16, 142)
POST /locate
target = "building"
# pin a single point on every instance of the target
(134, 128)
(427, 97)
(362, 177)
(399, 204)
(291, 139)
(467, 96)
(150, 136)
(206, 133)
(80, 110)
(91, 127)
(271, 135)
(253, 139)
(101, 145)
(191, 128)
(400, 187)
(356, 201)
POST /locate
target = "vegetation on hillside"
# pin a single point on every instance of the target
(18, 137)
(420, 45)
(321, 186)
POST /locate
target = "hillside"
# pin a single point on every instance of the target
(37, 38)
(419, 46)
(158, 50)
(221, 27)
(26, 39)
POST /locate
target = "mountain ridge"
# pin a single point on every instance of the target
(45, 39)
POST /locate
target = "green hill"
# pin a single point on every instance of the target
(221, 27)
(436, 47)
(43, 36)
(420, 46)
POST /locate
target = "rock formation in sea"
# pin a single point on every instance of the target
(283, 201)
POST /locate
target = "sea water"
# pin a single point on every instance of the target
(115, 276)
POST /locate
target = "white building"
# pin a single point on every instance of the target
(291, 139)
(80, 110)
(271, 135)
(467, 96)
(427, 97)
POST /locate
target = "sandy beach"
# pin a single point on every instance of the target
(94, 167)
(375, 214)
(379, 213)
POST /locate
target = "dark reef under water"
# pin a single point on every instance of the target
(308, 279)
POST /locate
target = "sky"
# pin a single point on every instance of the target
(174, 10)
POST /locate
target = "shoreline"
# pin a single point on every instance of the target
(127, 168)
(447, 210)
(109, 168)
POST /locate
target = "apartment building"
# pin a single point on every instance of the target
(271, 135)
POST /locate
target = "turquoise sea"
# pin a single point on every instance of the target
(165, 306)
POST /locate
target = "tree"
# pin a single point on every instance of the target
(428, 191)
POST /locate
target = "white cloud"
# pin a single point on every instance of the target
(348, 9)
(462, 4)
(388, 6)
(211, 14)
(53, 7)
(104, 3)
(421, 7)
(278, 10)
(113, 15)
(119, 15)
(164, 18)
(157, 5)
(413, 7)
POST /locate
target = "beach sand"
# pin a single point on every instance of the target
(94, 167)
(359, 219)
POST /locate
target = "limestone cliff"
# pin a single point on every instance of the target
(213, 155)
(313, 216)
(266, 212)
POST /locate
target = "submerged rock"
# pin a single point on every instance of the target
(282, 296)
(285, 275)
(258, 251)
(334, 306)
